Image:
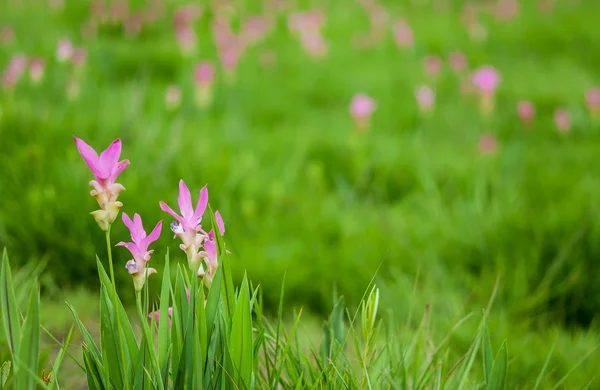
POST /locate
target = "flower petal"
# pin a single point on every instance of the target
(202, 203)
(89, 155)
(220, 223)
(185, 201)
(153, 235)
(108, 158)
(164, 207)
(129, 223)
(117, 169)
(132, 247)
(140, 233)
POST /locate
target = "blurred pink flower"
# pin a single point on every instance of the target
(186, 38)
(7, 35)
(173, 97)
(133, 23)
(64, 50)
(300, 22)
(506, 9)
(432, 65)
(13, 71)
(468, 14)
(458, 61)
(361, 108)
(562, 120)
(487, 144)
(119, 10)
(229, 56)
(254, 29)
(592, 99)
(99, 10)
(314, 43)
(139, 249)
(156, 314)
(526, 112)
(186, 14)
(486, 80)
(105, 167)
(79, 57)
(403, 34)
(204, 73)
(36, 69)
(425, 98)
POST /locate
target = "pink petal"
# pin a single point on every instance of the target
(185, 201)
(118, 168)
(89, 155)
(211, 250)
(166, 208)
(153, 235)
(220, 223)
(140, 233)
(108, 159)
(129, 223)
(131, 247)
(170, 311)
(202, 203)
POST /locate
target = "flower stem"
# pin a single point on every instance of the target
(110, 262)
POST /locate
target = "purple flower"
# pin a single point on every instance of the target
(139, 249)
(486, 79)
(106, 167)
(425, 98)
(526, 112)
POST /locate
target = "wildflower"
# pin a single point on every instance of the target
(458, 61)
(204, 74)
(64, 50)
(78, 56)
(403, 34)
(361, 108)
(425, 98)
(432, 65)
(486, 80)
(13, 71)
(592, 99)
(209, 255)
(173, 97)
(487, 144)
(139, 249)
(526, 112)
(36, 69)
(187, 226)
(186, 38)
(106, 168)
(156, 314)
(562, 119)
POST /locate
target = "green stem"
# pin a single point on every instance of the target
(116, 303)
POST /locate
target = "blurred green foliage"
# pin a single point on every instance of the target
(300, 190)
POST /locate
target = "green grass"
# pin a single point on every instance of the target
(302, 193)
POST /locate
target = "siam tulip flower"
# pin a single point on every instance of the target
(403, 34)
(13, 71)
(506, 10)
(78, 57)
(7, 35)
(204, 74)
(562, 119)
(99, 10)
(458, 61)
(254, 29)
(592, 99)
(229, 56)
(361, 108)
(64, 50)
(209, 255)
(186, 38)
(526, 112)
(106, 168)
(425, 98)
(487, 144)
(139, 249)
(486, 80)
(36, 69)
(187, 226)
(173, 97)
(119, 11)
(156, 314)
(314, 43)
(432, 65)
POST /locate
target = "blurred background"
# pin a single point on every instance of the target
(435, 146)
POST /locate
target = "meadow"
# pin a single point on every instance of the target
(443, 191)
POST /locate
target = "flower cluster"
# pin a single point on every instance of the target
(199, 246)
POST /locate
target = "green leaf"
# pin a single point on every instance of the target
(59, 358)
(93, 370)
(109, 340)
(30, 343)
(240, 342)
(10, 313)
(163, 324)
(486, 347)
(497, 380)
(4, 372)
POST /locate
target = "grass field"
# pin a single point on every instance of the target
(415, 200)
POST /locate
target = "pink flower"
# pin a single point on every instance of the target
(562, 119)
(187, 226)
(314, 43)
(425, 98)
(487, 144)
(139, 249)
(173, 96)
(186, 38)
(458, 61)
(204, 73)
(156, 314)
(526, 112)
(14, 70)
(486, 79)
(79, 56)
(506, 9)
(64, 50)
(403, 34)
(209, 255)
(106, 168)
(36, 69)
(592, 99)
(361, 108)
(119, 10)
(432, 65)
